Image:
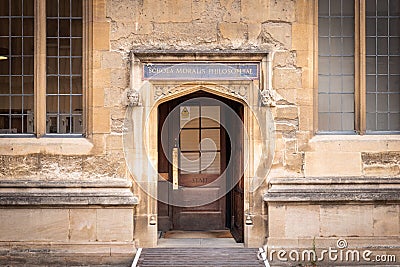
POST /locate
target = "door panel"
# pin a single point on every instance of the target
(199, 169)
(210, 139)
(211, 116)
(211, 162)
(190, 117)
(237, 211)
(200, 180)
(189, 140)
(189, 162)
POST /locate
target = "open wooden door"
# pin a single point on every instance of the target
(235, 172)
(201, 150)
(193, 165)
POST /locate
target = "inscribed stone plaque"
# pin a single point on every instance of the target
(201, 71)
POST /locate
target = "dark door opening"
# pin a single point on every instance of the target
(200, 162)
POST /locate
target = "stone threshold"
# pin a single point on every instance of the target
(198, 243)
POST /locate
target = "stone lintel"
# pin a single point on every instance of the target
(67, 193)
(178, 55)
(333, 189)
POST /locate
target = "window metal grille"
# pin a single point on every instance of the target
(383, 65)
(64, 67)
(16, 66)
(336, 65)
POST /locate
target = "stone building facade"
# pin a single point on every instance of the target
(95, 192)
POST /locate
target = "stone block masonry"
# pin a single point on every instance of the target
(75, 196)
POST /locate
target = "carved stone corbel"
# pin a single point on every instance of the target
(133, 98)
(267, 98)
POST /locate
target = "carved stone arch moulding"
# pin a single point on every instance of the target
(236, 91)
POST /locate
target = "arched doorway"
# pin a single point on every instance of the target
(141, 138)
(200, 164)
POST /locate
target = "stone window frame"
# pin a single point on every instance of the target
(360, 92)
(40, 70)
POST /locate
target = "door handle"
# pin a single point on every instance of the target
(175, 183)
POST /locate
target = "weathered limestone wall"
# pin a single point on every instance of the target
(284, 28)
(357, 156)
(57, 222)
(61, 167)
(66, 225)
(310, 221)
(318, 227)
(38, 236)
(277, 27)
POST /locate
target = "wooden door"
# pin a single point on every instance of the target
(235, 171)
(201, 147)
(202, 166)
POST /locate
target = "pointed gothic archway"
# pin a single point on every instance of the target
(141, 141)
(207, 130)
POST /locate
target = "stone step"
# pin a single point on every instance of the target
(199, 257)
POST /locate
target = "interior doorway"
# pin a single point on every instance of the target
(200, 164)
